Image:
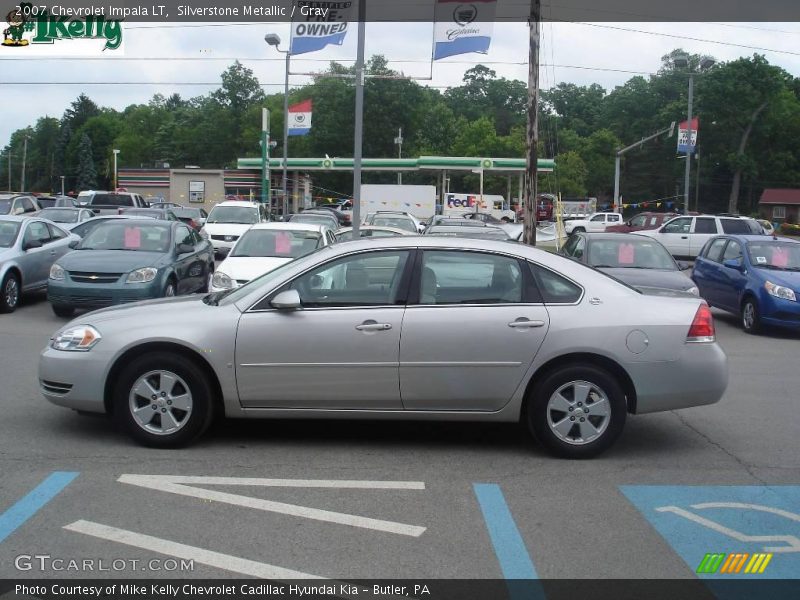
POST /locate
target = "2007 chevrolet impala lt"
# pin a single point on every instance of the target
(400, 328)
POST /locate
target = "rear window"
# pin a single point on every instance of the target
(735, 226)
(554, 288)
(111, 200)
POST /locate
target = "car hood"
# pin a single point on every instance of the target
(790, 279)
(652, 278)
(108, 261)
(226, 228)
(177, 304)
(245, 268)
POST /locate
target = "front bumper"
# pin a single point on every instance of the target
(99, 295)
(778, 312)
(74, 379)
(697, 378)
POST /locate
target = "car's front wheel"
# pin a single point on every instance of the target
(577, 411)
(9, 293)
(751, 319)
(169, 289)
(163, 400)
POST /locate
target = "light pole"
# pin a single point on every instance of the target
(273, 39)
(399, 142)
(62, 186)
(116, 180)
(697, 183)
(680, 61)
(24, 158)
(266, 195)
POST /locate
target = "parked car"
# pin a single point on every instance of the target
(28, 247)
(228, 220)
(164, 204)
(343, 218)
(104, 203)
(486, 218)
(193, 216)
(756, 277)
(686, 235)
(488, 232)
(82, 229)
(314, 217)
(66, 216)
(480, 331)
(595, 222)
(163, 214)
(127, 261)
(56, 202)
(396, 219)
(345, 234)
(18, 204)
(768, 227)
(266, 246)
(642, 222)
(638, 261)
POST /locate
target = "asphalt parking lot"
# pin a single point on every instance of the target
(401, 500)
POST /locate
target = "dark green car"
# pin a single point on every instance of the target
(128, 260)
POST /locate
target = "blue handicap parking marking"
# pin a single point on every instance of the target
(724, 520)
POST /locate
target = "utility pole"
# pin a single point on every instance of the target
(10, 187)
(399, 141)
(359, 119)
(697, 183)
(531, 163)
(284, 187)
(266, 196)
(24, 158)
(687, 173)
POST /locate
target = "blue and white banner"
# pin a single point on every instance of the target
(462, 27)
(300, 118)
(316, 24)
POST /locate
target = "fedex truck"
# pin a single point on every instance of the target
(456, 205)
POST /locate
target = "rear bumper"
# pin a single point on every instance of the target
(697, 378)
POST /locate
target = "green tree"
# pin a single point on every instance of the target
(87, 175)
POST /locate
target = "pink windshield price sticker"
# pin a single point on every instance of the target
(625, 256)
(133, 237)
(283, 243)
(780, 257)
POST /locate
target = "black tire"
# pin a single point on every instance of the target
(538, 415)
(578, 230)
(194, 422)
(751, 321)
(63, 311)
(206, 287)
(10, 293)
(170, 286)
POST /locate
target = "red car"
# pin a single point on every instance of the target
(641, 222)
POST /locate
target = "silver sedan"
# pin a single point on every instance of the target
(28, 248)
(402, 328)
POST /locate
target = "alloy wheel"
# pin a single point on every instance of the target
(11, 292)
(578, 412)
(160, 402)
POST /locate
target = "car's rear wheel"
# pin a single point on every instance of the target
(577, 411)
(163, 400)
(9, 293)
(751, 319)
(578, 230)
(63, 311)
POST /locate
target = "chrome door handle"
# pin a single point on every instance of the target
(526, 324)
(374, 327)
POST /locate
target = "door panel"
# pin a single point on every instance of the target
(675, 236)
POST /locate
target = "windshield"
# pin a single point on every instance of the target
(396, 222)
(233, 214)
(8, 233)
(60, 215)
(187, 213)
(313, 219)
(46, 202)
(775, 255)
(630, 254)
(5, 207)
(277, 243)
(125, 236)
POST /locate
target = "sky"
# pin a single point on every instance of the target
(605, 53)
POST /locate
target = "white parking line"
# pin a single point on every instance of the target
(178, 484)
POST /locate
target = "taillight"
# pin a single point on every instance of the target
(194, 224)
(702, 328)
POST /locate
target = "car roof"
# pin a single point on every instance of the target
(459, 229)
(374, 228)
(757, 238)
(16, 218)
(288, 225)
(243, 203)
(613, 236)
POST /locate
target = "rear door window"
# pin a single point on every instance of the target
(705, 225)
(714, 252)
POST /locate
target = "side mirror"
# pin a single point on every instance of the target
(287, 300)
(73, 244)
(683, 265)
(185, 248)
(32, 244)
(733, 263)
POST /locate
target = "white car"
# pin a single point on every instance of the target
(396, 219)
(685, 236)
(593, 223)
(267, 246)
(228, 221)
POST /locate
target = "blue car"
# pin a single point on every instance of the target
(754, 276)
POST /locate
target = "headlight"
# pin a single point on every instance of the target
(222, 281)
(694, 290)
(780, 291)
(204, 233)
(57, 272)
(80, 338)
(142, 275)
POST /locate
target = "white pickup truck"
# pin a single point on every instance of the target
(593, 223)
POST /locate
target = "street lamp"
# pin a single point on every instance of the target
(274, 40)
(682, 62)
(116, 182)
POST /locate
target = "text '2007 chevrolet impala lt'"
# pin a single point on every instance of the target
(401, 328)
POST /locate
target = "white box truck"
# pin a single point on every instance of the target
(456, 205)
(418, 200)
